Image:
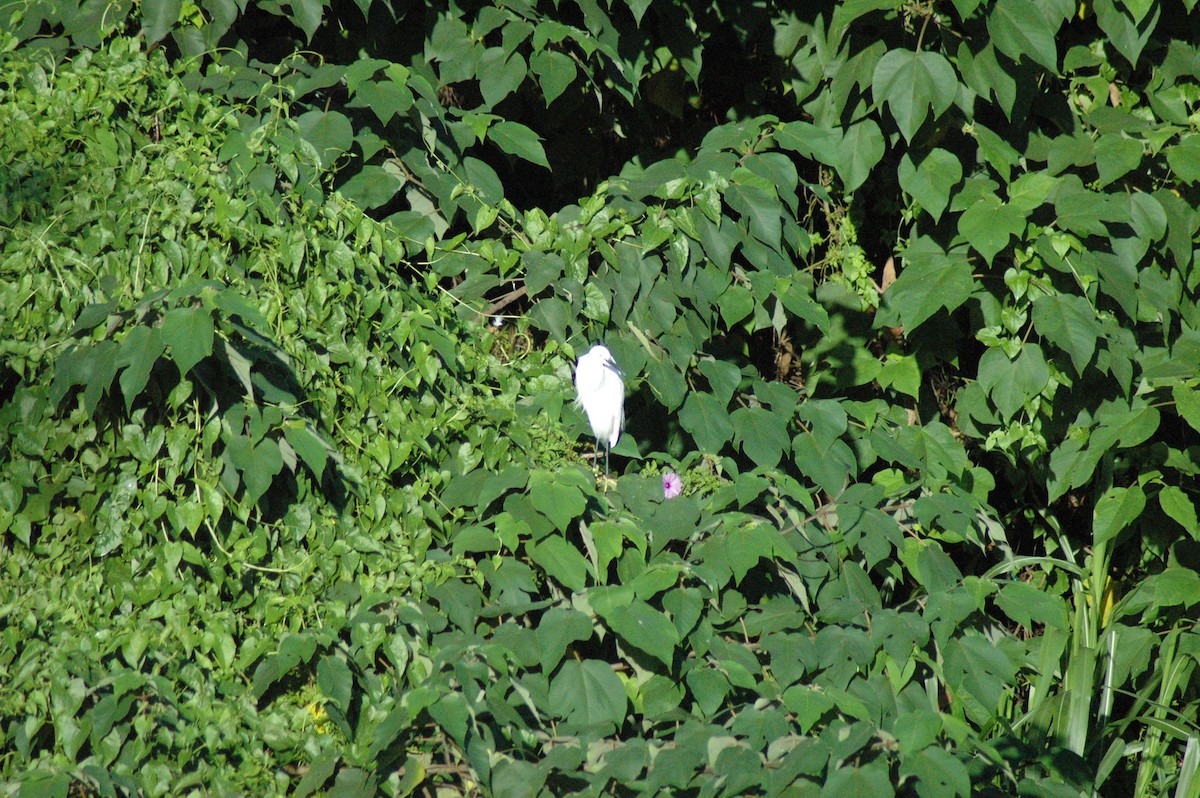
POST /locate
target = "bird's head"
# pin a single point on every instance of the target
(596, 366)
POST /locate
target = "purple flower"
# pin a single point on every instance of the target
(672, 485)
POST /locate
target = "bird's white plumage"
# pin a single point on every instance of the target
(601, 393)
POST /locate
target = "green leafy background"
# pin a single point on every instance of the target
(294, 498)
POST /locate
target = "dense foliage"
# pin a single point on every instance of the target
(294, 498)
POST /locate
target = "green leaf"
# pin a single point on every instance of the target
(901, 373)
(1011, 384)
(372, 187)
(1071, 465)
(929, 281)
(266, 462)
(1116, 156)
(643, 627)
(911, 83)
(91, 316)
(799, 301)
(517, 139)
(763, 211)
(667, 382)
(1069, 322)
(746, 545)
(555, 72)
(159, 17)
(1187, 404)
(1020, 28)
(561, 561)
(556, 498)
(1179, 506)
(1030, 607)
(336, 681)
(707, 420)
(45, 784)
(91, 366)
(848, 12)
(1030, 191)
(609, 543)
(387, 97)
(499, 75)
(1184, 158)
(239, 310)
(708, 687)
(308, 446)
(718, 239)
(1123, 31)
(930, 182)
(588, 695)
(496, 485)
(831, 466)
(1117, 426)
(552, 315)
(723, 377)
(977, 673)
(761, 433)
(939, 773)
(484, 179)
(328, 131)
(450, 712)
(672, 520)
(1085, 212)
(352, 783)
(937, 572)
(940, 451)
(814, 142)
(917, 729)
(556, 631)
(451, 42)
(139, 352)
(1138, 9)
(320, 769)
(862, 147)
(1173, 587)
(736, 304)
(996, 151)
(463, 490)
(541, 270)
(475, 539)
(294, 649)
(989, 224)
(985, 75)
(826, 419)
(307, 15)
(1147, 216)
(1116, 511)
(460, 602)
(950, 512)
(515, 779)
(189, 333)
(871, 778)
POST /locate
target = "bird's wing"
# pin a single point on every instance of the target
(616, 433)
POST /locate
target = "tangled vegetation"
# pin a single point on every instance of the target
(294, 498)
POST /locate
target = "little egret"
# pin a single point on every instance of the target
(602, 396)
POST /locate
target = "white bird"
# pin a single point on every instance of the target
(602, 396)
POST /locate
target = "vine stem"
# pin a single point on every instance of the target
(924, 25)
